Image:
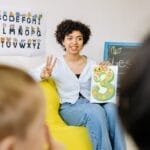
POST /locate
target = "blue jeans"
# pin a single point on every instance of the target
(101, 121)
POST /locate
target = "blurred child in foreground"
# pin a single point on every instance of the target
(134, 100)
(22, 125)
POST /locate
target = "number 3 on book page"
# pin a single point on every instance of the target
(103, 87)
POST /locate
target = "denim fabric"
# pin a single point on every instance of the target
(101, 121)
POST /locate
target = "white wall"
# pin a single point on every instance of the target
(110, 20)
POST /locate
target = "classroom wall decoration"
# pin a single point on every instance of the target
(104, 84)
(22, 33)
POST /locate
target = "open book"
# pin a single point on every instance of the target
(104, 84)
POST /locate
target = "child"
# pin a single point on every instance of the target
(22, 112)
(134, 100)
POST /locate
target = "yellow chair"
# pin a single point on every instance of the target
(73, 137)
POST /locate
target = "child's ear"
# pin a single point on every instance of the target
(8, 143)
(51, 143)
(48, 138)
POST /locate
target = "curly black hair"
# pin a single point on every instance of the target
(68, 26)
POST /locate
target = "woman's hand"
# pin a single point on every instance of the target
(105, 63)
(48, 68)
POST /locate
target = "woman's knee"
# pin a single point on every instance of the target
(96, 112)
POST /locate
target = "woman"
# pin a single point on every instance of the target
(72, 75)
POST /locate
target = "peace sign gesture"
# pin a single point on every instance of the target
(48, 68)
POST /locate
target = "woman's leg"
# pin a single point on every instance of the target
(115, 129)
(92, 116)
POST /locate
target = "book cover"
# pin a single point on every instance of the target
(104, 84)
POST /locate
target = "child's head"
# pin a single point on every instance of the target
(21, 111)
(134, 99)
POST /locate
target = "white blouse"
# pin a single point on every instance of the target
(68, 85)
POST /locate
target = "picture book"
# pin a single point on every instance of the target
(104, 84)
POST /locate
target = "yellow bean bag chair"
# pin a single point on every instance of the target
(73, 137)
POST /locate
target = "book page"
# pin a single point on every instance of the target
(104, 84)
